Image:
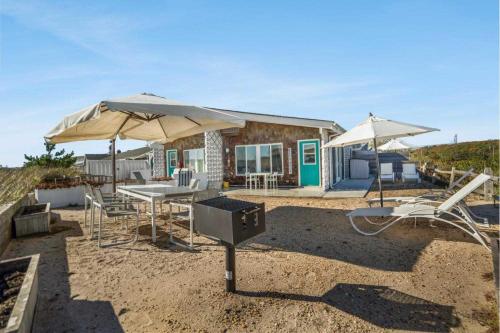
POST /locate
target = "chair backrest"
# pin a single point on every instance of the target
(138, 175)
(88, 190)
(386, 168)
(98, 195)
(459, 180)
(464, 191)
(205, 195)
(193, 183)
(409, 169)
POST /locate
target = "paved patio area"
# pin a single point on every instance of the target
(347, 188)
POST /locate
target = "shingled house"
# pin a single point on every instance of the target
(289, 146)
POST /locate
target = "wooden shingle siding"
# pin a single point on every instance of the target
(255, 133)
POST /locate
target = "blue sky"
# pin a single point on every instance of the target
(432, 63)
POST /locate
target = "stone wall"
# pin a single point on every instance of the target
(7, 212)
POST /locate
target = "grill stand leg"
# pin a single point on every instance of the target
(230, 268)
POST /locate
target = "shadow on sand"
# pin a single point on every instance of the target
(57, 309)
(382, 306)
(327, 233)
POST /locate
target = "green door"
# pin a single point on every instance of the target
(171, 161)
(308, 151)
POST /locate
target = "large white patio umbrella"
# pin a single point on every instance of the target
(373, 129)
(395, 145)
(142, 117)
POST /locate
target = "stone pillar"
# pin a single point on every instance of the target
(214, 159)
(325, 161)
(158, 160)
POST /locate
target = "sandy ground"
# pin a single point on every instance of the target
(310, 272)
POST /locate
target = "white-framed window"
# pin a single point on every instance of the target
(194, 159)
(259, 158)
(309, 153)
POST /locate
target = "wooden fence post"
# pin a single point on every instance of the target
(488, 186)
(452, 175)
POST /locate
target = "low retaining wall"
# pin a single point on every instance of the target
(7, 212)
(64, 197)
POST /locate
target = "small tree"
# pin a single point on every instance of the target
(51, 159)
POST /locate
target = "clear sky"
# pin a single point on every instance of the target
(432, 63)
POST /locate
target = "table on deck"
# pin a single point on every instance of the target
(259, 174)
(152, 193)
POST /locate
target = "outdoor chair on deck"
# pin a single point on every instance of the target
(121, 208)
(252, 178)
(437, 196)
(139, 178)
(386, 172)
(187, 214)
(410, 173)
(272, 180)
(448, 211)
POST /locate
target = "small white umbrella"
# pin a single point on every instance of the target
(142, 117)
(373, 129)
(394, 145)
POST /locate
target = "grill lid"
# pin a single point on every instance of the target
(224, 203)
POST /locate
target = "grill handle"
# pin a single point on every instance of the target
(253, 211)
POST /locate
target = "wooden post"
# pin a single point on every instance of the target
(452, 175)
(488, 185)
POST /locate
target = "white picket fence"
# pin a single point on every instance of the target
(123, 168)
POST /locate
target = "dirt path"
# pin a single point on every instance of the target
(310, 272)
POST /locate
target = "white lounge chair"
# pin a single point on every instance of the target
(410, 173)
(437, 196)
(386, 172)
(426, 196)
(446, 212)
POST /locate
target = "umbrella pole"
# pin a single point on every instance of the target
(113, 164)
(378, 173)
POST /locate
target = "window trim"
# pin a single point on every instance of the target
(257, 156)
(303, 154)
(191, 149)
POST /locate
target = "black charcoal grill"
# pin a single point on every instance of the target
(232, 222)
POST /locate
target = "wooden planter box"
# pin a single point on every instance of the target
(32, 219)
(21, 317)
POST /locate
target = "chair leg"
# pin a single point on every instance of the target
(92, 220)
(170, 224)
(99, 230)
(191, 226)
(85, 217)
(137, 225)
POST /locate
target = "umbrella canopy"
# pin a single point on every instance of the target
(395, 144)
(142, 117)
(373, 129)
(377, 128)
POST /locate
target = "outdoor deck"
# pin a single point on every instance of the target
(347, 188)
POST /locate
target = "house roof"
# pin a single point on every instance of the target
(285, 120)
(131, 154)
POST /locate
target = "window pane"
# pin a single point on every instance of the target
(251, 158)
(186, 158)
(309, 153)
(241, 168)
(277, 158)
(265, 158)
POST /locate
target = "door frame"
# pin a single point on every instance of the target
(168, 159)
(318, 154)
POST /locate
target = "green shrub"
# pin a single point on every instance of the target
(462, 156)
